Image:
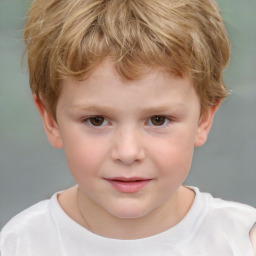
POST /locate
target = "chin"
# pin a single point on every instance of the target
(129, 212)
(129, 215)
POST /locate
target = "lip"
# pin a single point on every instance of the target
(128, 185)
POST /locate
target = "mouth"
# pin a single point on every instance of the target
(128, 185)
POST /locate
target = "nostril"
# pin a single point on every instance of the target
(128, 147)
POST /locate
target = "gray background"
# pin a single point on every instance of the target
(31, 170)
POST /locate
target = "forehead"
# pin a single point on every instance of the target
(107, 71)
(105, 84)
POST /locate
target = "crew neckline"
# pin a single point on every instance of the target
(180, 233)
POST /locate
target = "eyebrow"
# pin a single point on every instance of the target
(165, 108)
(147, 110)
(93, 108)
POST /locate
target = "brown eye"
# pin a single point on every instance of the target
(96, 120)
(158, 120)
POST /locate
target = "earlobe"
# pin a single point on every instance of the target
(204, 126)
(49, 123)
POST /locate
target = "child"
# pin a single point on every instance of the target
(128, 88)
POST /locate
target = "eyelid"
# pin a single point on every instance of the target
(85, 120)
(106, 122)
(168, 119)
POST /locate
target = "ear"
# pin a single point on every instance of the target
(49, 123)
(204, 125)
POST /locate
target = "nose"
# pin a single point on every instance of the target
(128, 146)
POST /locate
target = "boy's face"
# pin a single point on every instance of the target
(128, 144)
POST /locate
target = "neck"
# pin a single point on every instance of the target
(162, 218)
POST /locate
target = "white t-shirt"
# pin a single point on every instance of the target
(211, 227)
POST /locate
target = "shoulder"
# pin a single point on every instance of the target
(230, 209)
(222, 208)
(236, 220)
(225, 215)
(232, 217)
(25, 227)
(35, 213)
(224, 225)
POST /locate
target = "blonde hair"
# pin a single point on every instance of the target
(71, 37)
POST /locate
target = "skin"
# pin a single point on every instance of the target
(148, 129)
(253, 238)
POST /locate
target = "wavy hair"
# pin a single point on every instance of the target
(71, 37)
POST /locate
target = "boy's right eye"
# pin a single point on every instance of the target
(95, 121)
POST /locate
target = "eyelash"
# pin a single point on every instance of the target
(88, 121)
(166, 120)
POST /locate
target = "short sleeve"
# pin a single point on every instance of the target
(253, 238)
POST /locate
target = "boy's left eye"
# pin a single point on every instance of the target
(95, 121)
(158, 120)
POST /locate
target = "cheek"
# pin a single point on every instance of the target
(174, 155)
(84, 156)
